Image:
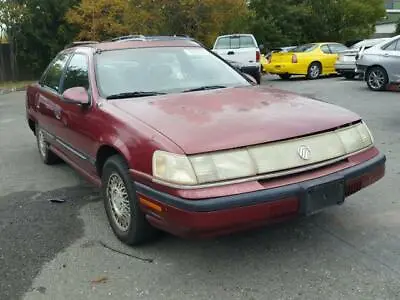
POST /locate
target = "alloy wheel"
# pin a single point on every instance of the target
(376, 79)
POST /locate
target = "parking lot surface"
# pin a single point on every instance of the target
(67, 250)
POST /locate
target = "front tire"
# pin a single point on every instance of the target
(127, 220)
(314, 70)
(377, 78)
(47, 156)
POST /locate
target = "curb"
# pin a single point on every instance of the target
(7, 91)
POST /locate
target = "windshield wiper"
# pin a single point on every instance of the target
(205, 87)
(134, 95)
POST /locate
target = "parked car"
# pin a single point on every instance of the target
(240, 48)
(265, 59)
(346, 62)
(194, 150)
(380, 64)
(311, 60)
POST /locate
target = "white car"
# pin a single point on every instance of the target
(242, 49)
(346, 62)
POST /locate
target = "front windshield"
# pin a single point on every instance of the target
(162, 70)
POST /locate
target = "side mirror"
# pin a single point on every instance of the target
(76, 95)
(250, 78)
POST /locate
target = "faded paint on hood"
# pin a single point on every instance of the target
(229, 118)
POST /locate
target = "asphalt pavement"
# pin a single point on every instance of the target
(66, 250)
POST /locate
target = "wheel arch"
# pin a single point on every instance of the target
(316, 62)
(374, 66)
(107, 150)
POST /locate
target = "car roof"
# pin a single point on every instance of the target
(235, 34)
(153, 42)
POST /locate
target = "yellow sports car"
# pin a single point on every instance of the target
(311, 60)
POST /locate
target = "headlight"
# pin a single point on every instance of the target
(173, 168)
(355, 138)
(223, 166)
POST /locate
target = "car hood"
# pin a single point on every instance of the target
(221, 119)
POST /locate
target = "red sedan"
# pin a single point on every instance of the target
(181, 141)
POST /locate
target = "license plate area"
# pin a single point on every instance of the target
(319, 197)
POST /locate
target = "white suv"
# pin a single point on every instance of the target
(241, 49)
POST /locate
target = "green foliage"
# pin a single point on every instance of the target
(288, 22)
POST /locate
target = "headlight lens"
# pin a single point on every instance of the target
(223, 166)
(355, 138)
(173, 168)
(260, 159)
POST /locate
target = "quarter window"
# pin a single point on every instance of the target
(337, 48)
(325, 49)
(52, 77)
(392, 46)
(76, 74)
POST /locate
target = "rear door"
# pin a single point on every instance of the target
(48, 98)
(238, 48)
(390, 60)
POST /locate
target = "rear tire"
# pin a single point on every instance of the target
(127, 220)
(47, 156)
(257, 77)
(377, 78)
(314, 70)
(285, 76)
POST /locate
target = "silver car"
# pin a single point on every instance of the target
(380, 64)
(346, 62)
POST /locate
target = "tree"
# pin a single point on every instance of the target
(100, 19)
(287, 22)
(37, 31)
(203, 19)
(12, 15)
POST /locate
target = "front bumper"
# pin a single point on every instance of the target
(214, 216)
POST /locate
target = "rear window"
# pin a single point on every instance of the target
(305, 48)
(235, 42)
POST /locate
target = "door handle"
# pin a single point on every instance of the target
(386, 55)
(231, 53)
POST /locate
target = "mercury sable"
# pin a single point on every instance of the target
(180, 141)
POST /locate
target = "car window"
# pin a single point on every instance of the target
(223, 43)
(398, 45)
(76, 74)
(305, 48)
(52, 77)
(391, 47)
(247, 42)
(337, 48)
(162, 69)
(325, 49)
(235, 42)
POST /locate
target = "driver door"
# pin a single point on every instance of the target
(79, 121)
